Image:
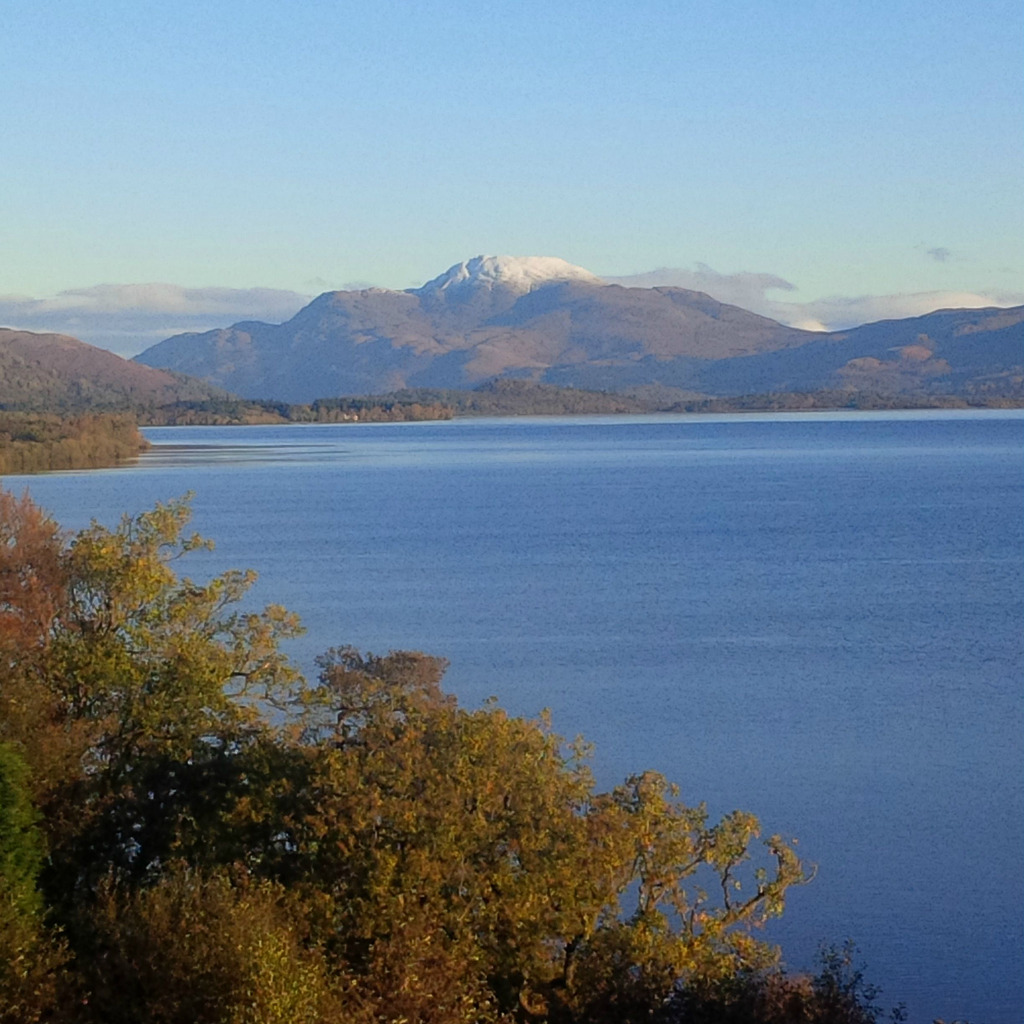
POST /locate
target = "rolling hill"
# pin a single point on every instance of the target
(57, 373)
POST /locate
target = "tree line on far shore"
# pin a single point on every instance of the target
(40, 442)
(32, 441)
(530, 398)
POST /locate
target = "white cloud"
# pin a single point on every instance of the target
(833, 313)
(806, 324)
(356, 286)
(839, 312)
(743, 289)
(127, 318)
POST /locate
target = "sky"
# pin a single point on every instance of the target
(183, 166)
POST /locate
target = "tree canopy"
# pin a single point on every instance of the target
(191, 832)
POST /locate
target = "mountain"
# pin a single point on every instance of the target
(543, 319)
(970, 352)
(974, 353)
(56, 373)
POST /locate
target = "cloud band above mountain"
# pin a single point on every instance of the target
(832, 313)
(128, 318)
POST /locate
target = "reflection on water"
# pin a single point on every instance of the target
(163, 456)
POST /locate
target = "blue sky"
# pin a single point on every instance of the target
(848, 150)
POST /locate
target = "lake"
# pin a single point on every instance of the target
(815, 617)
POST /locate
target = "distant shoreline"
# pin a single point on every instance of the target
(41, 442)
(527, 398)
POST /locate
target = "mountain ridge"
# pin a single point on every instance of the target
(546, 320)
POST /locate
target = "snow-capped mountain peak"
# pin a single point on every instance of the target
(519, 274)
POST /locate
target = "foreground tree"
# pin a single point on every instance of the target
(126, 689)
(225, 843)
(482, 835)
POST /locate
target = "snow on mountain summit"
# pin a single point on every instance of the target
(519, 274)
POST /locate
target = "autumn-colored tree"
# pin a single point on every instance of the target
(32, 579)
(225, 843)
(837, 994)
(37, 442)
(482, 834)
(203, 948)
(126, 687)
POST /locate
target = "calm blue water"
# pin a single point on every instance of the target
(816, 618)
